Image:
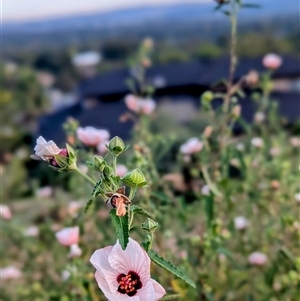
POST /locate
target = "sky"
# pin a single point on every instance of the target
(26, 10)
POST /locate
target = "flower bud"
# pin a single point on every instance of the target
(236, 111)
(149, 225)
(207, 96)
(134, 178)
(116, 146)
(208, 131)
(98, 163)
(107, 171)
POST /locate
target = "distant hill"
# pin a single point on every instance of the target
(178, 13)
(172, 23)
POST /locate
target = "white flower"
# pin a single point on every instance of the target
(44, 192)
(275, 151)
(297, 197)
(45, 150)
(241, 223)
(75, 251)
(193, 145)
(257, 142)
(259, 117)
(205, 190)
(31, 231)
(240, 146)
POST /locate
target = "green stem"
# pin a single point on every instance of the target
(114, 164)
(209, 182)
(86, 176)
(130, 213)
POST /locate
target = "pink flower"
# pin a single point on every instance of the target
(74, 207)
(295, 141)
(91, 136)
(193, 145)
(147, 106)
(259, 117)
(272, 61)
(205, 190)
(68, 236)
(140, 105)
(121, 170)
(31, 231)
(45, 150)
(258, 258)
(10, 272)
(125, 275)
(241, 223)
(75, 251)
(5, 212)
(101, 147)
(44, 192)
(275, 151)
(297, 197)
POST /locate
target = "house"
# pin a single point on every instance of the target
(178, 87)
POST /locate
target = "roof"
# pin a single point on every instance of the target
(200, 73)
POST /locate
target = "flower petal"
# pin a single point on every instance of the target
(147, 292)
(159, 290)
(133, 258)
(100, 261)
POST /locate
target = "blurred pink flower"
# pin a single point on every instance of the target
(140, 105)
(74, 207)
(68, 236)
(297, 197)
(259, 117)
(275, 151)
(257, 142)
(295, 141)
(241, 223)
(193, 145)
(75, 251)
(91, 136)
(45, 150)
(10, 272)
(147, 106)
(31, 231)
(121, 170)
(5, 212)
(258, 258)
(272, 61)
(101, 147)
(124, 275)
(44, 192)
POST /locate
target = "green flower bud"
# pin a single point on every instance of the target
(207, 96)
(98, 163)
(134, 178)
(116, 146)
(149, 225)
(107, 171)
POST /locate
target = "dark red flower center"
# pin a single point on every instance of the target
(63, 152)
(129, 284)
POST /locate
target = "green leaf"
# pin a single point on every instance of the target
(140, 210)
(249, 297)
(170, 267)
(169, 297)
(88, 204)
(122, 227)
(97, 189)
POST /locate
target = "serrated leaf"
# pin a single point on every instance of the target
(170, 297)
(170, 267)
(122, 227)
(88, 204)
(140, 210)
